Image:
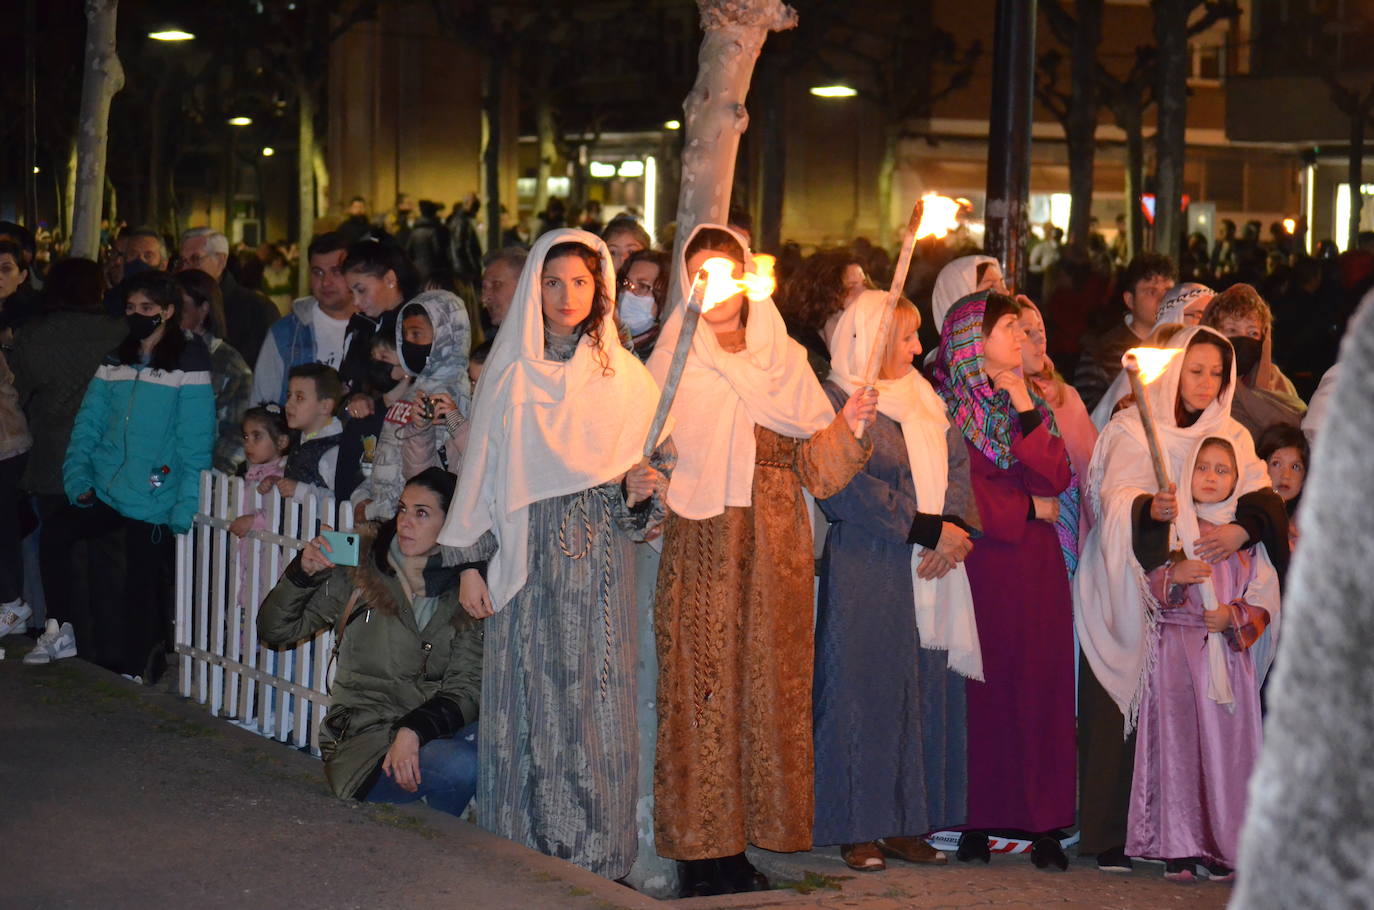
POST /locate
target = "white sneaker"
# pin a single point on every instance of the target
(55, 643)
(13, 616)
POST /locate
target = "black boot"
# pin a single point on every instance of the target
(739, 875)
(1047, 852)
(701, 878)
(973, 845)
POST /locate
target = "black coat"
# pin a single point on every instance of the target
(249, 315)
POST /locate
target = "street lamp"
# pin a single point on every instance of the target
(834, 90)
(268, 151)
(171, 33)
(240, 121)
(672, 125)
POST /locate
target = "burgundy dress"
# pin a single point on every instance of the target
(1021, 749)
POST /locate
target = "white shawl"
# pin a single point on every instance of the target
(543, 428)
(722, 396)
(944, 606)
(1112, 602)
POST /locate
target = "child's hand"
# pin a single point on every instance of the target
(1217, 620)
(266, 486)
(443, 405)
(360, 512)
(1191, 572)
(286, 487)
(240, 526)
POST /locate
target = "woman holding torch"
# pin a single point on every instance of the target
(1189, 401)
(559, 419)
(895, 627)
(733, 613)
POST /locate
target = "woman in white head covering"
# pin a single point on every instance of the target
(895, 611)
(733, 613)
(1190, 401)
(559, 419)
(1183, 305)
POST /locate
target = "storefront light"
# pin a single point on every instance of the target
(631, 169)
(601, 170)
(834, 90)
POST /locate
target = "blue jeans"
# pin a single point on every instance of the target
(448, 774)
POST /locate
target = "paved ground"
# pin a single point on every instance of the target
(120, 796)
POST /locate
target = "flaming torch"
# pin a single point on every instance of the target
(714, 284)
(933, 215)
(1143, 366)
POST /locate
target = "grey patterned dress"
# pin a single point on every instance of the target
(559, 742)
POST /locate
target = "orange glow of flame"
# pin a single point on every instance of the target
(716, 282)
(939, 216)
(1150, 363)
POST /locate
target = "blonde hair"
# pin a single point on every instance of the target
(905, 320)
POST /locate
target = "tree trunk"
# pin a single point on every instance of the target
(1171, 88)
(545, 134)
(103, 77)
(69, 196)
(321, 168)
(493, 96)
(1356, 175)
(715, 115)
(887, 173)
(152, 215)
(305, 179)
(1080, 126)
(772, 156)
(1135, 174)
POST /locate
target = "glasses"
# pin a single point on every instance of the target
(643, 289)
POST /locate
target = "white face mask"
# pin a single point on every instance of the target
(636, 312)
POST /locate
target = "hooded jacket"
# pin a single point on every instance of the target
(446, 371)
(290, 342)
(391, 673)
(137, 421)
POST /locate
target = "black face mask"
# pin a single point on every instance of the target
(140, 326)
(379, 376)
(1248, 352)
(415, 356)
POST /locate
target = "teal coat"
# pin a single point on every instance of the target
(136, 420)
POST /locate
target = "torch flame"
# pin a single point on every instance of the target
(939, 216)
(1150, 363)
(720, 283)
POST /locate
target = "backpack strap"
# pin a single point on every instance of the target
(339, 628)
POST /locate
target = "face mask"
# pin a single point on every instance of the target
(140, 326)
(637, 313)
(1248, 352)
(415, 356)
(379, 376)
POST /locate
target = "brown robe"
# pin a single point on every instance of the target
(734, 624)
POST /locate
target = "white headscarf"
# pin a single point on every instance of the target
(944, 606)
(1171, 309)
(1111, 593)
(723, 396)
(543, 428)
(956, 281)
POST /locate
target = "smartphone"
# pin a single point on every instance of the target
(343, 547)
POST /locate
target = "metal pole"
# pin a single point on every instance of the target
(30, 203)
(1009, 136)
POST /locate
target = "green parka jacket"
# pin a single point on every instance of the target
(390, 673)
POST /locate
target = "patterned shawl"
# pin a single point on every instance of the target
(984, 414)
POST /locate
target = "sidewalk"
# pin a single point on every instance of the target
(121, 796)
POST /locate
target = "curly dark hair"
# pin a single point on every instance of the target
(602, 301)
(815, 291)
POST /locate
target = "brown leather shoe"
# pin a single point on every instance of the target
(863, 857)
(913, 850)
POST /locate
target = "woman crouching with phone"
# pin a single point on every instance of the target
(402, 722)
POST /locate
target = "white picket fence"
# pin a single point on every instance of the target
(279, 694)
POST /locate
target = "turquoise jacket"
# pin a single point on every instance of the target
(135, 422)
